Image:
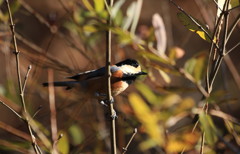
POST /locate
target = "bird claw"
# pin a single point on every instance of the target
(111, 100)
(114, 115)
(103, 103)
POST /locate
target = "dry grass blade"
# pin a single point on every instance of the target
(160, 34)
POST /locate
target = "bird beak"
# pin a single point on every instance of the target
(142, 73)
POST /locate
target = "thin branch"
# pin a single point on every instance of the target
(234, 47)
(126, 148)
(17, 52)
(191, 78)
(54, 28)
(37, 111)
(13, 111)
(52, 106)
(202, 143)
(108, 70)
(26, 77)
(232, 69)
(193, 20)
(233, 27)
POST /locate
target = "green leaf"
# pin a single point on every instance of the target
(196, 66)
(15, 6)
(147, 92)
(118, 19)
(76, 134)
(209, 128)
(124, 37)
(194, 25)
(154, 57)
(63, 143)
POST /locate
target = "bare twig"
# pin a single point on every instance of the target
(26, 77)
(37, 111)
(56, 141)
(234, 47)
(109, 94)
(193, 20)
(233, 27)
(126, 148)
(15, 131)
(191, 78)
(18, 115)
(202, 142)
(232, 69)
(52, 106)
(21, 88)
(54, 28)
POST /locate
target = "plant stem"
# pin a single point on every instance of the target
(108, 69)
(125, 148)
(21, 88)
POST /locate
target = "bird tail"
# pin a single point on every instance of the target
(67, 84)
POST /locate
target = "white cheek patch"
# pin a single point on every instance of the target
(128, 69)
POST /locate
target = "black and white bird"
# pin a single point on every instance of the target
(93, 82)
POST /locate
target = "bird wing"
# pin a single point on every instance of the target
(88, 74)
(93, 73)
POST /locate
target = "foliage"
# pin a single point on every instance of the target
(180, 82)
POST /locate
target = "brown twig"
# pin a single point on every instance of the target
(11, 109)
(202, 142)
(21, 88)
(53, 115)
(126, 147)
(108, 70)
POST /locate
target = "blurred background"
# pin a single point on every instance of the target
(68, 37)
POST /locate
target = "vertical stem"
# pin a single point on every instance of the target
(202, 143)
(21, 88)
(109, 94)
(52, 107)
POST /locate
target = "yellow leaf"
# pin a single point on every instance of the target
(63, 143)
(148, 119)
(89, 29)
(234, 3)
(186, 104)
(99, 5)
(165, 76)
(88, 5)
(178, 142)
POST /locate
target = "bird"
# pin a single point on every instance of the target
(93, 82)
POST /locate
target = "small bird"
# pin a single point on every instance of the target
(93, 83)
